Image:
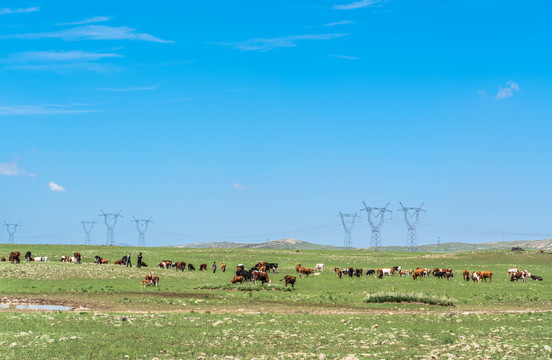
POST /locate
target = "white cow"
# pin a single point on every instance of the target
(319, 267)
(387, 271)
(43, 259)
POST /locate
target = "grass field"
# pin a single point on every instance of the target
(199, 315)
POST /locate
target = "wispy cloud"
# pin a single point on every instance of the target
(6, 11)
(346, 57)
(343, 22)
(357, 4)
(11, 169)
(273, 43)
(91, 32)
(49, 109)
(55, 187)
(91, 20)
(59, 56)
(136, 88)
(507, 91)
(239, 187)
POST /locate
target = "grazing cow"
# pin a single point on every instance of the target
(358, 272)
(28, 256)
(180, 265)
(439, 274)
(223, 267)
(350, 271)
(388, 271)
(273, 267)
(203, 267)
(370, 272)
(40, 259)
(466, 275)
(511, 271)
(15, 257)
(338, 272)
(163, 264)
(397, 268)
(237, 279)
(304, 271)
(77, 257)
(261, 276)
(487, 275)
(145, 282)
(319, 267)
(476, 276)
(403, 273)
(289, 280)
(297, 267)
(449, 275)
(191, 267)
(536, 278)
(155, 281)
(379, 271)
(418, 273)
(518, 275)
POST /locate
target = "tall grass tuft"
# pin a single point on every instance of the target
(394, 296)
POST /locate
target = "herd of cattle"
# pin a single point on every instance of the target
(260, 271)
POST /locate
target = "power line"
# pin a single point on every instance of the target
(87, 225)
(142, 226)
(411, 218)
(110, 220)
(348, 227)
(376, 217)
(11, 229)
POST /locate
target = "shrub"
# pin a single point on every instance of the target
(394, 296)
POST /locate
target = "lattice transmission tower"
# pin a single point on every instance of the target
(11, 229)
(87, 225)
(376, 217)
(142, 226)
(411, 218)
(348, 220)
(110, 222)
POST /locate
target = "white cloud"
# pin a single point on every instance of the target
(55, 187)
(11, 169)
(346, 57)
(507, 91)
(48, 109)
(91, 32)
(343, 22)
(273, 43)
(6, 11)
(91, 20)
(239, 187)
(136, 88)
(57, 56)
(357, 4)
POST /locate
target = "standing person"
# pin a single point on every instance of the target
(128, 261)
(139, 263)
(214, 267)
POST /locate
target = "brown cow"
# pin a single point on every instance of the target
(297, 267)
(15, 257)
(418, 273)
(466, 275)
(203, 267)
(358, 272)
(379, 271)
(155, 281)
(3, 259)
(261, 276)
(487, 275)
(338, 272)
(104, 261)
(77, 256)
(289, 280)
(223, 267)
(476, 276)
(237, 279)
(518, 275)
(119, 262)
(305, 271)
(162, 264)
(181, 265)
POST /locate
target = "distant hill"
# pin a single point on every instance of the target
(289, 244)
(460, 246)
(293, 244)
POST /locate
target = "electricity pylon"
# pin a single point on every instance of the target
(348, 227)
(438, 244)
(411, 218)
(87, 225)
(11, 228)
(142, 226)
(376, 217)
(110, 222)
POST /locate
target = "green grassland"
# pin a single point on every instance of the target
(200, 315)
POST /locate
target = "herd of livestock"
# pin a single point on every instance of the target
(261, 270)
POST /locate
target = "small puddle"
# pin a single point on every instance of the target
(35, 307)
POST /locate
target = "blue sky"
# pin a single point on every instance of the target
(252, 121)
